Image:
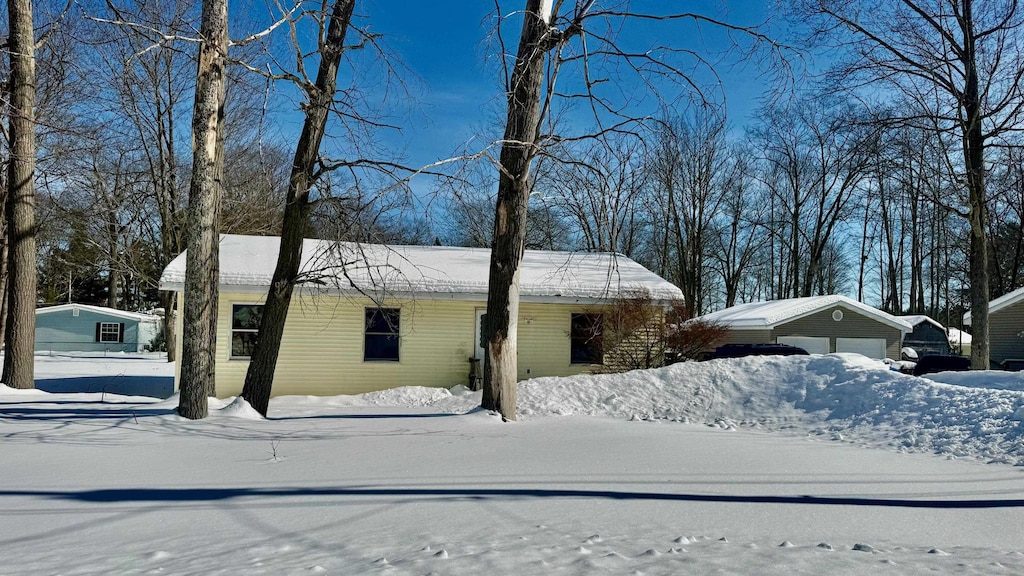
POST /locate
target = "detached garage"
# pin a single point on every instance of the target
(818, 324)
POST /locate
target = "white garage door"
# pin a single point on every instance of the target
(813, 345)
(870, 347)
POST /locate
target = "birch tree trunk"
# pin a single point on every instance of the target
(259, 377)
(19, 370)
(202, 264)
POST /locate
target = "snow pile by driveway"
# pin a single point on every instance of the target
(840, 396)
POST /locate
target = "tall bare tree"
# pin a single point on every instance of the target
(148, 78)
(962, 60)
(690, 167)
(319, 98)
(518, 150)
(599, 186)
(19, 337)
(547, 45)
(202, 267)
(815, 156)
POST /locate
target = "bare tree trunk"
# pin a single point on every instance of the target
(202, 265)
(974, 159)
(517, 153)
(4, 276)
(259, 378)
(19, 369)
(113, 275)
(863, 247)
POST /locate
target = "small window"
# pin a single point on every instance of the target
(381, 336)
(245, 325)
(586, 338)
(109, 332)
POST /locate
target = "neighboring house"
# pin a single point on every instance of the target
(959, 341)
(84, 328)
(1005, 327)
(818, 324)
(410, 315)
(927, 337)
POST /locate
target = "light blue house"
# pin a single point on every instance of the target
(83, 328)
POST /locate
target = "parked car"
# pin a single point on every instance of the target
(1012, 364)
(741, 350)
(935, 363)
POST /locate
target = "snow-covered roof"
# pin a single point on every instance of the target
(916, 319)
(1004, 301)
(247, 263)
(99, 310)
(768, 315)
(957, 336)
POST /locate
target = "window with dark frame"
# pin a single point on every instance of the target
(381, 335)
(245, 325)
(587, 339)
(109, 332)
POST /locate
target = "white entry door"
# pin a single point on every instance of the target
(813, 345)
(478, 349)
(870, 347)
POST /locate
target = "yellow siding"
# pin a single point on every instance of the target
(544, 346)
(322, 346)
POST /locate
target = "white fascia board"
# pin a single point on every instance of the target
(261, 292)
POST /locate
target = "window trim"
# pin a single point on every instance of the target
(573, 339)
(232, 330)
(397, 332)
(104, 331)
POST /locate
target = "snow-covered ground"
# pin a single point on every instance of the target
(798, 465)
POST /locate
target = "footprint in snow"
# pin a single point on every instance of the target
(682, 540)
(583, 550)
(938, 552)
(158, 555)
(723, 539)
(593, 539)
(786, 544)
(825, 546)
(442, 554)
(381, 560)
(317, 570)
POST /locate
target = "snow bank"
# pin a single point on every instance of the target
(839, 396)
(992, 379)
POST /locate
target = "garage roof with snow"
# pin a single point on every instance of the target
(768, 315)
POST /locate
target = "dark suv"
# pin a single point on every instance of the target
(741, 350)
(929, 364)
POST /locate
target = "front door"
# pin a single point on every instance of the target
(478, 349)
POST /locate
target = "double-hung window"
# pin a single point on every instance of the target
(245, 325)
(381, 334)
(586, 339)
(109, 332)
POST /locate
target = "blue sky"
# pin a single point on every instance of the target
(458, 94)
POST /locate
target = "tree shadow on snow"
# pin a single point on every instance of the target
(441, 494)
(365, 416)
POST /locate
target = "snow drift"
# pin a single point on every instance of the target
(843, 396)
